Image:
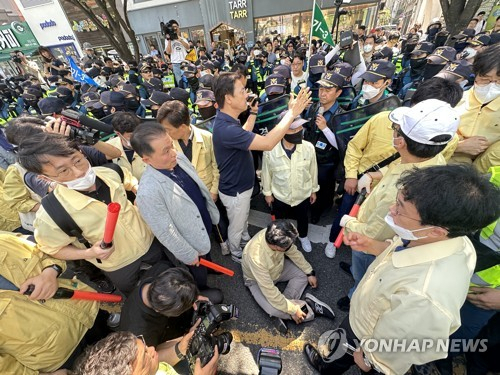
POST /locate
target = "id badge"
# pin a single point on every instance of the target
(320, 145)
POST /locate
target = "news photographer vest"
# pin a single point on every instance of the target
(325, 152)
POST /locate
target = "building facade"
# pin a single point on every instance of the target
(228, 20)
(50, 26)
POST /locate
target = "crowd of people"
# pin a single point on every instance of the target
(406, 127)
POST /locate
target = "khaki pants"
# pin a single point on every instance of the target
(297, 282)
(238, 209)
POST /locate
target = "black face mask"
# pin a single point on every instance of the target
(193, 83)
(98, 113)
(460, 46)
(207, 112)
(431, 70)
(409, 48)
(418, 64)
(273, 96)
(242, 59)
(314, 77)
(132, 104)
(295, 138)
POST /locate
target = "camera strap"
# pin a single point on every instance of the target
(62, 219)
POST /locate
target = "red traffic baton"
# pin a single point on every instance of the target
(65, 293)
(354, 212)
(110, 226)
(273, 216)
(216, 267)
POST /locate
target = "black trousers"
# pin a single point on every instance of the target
(299, 212)
(126, 278)
(200, 273)
(324, 197)
(345, 362)
(219, 231)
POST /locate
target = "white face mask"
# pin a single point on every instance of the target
(82, 183)
(369, 92)
(405, 234)
(283, 62)
(469, 53)
(487, 93)
(378, 48)
(368, 48)
(463, 83)
(203, 73)
(125, 142)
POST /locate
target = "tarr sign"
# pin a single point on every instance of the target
(238, 9)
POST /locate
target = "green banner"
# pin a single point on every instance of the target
(17, 36)
(319, 26)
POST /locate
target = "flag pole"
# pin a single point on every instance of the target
(311, 34)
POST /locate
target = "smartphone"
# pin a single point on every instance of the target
(304, 309)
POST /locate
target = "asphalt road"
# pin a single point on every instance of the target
(254, 328)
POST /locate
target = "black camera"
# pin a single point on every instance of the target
(203, 342)
(269, 361)
(167, 30)
(84, 129)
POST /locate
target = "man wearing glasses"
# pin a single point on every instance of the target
(479, 131)
(420, 133)
(264, 264)
(85, 192)
(413, 291)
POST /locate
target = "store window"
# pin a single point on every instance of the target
(152, 40)
(300, 23)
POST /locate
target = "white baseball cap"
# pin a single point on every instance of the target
(426, 120)
(298, 121)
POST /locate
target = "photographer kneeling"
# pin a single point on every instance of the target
(161, 306)
(124, 353)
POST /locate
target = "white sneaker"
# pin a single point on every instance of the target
(224, 248)
(330, 250)
(306, 244)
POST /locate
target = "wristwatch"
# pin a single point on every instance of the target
(312, 273)
(178, 352)
(58, 269)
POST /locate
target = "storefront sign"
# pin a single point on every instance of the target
(16, 36)
(46, 24)
(238, 9)
(66, 37)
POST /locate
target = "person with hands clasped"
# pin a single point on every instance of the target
(420, 278)
(420, 133)
(264, 264)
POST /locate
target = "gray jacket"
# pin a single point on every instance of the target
(172, 215)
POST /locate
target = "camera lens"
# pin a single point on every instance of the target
(223, 342)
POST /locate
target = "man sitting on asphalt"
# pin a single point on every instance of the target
(264, 265)
(413, 291)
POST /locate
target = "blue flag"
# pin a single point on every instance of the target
(79, 75)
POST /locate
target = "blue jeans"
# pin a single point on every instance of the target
(344, 209)
(360, 263)
(473, 318)
(177, 74)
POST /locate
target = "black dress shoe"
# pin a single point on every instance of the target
(312, 356)
(344, 304)
(346, 267)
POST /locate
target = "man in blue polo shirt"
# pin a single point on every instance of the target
(232, 145)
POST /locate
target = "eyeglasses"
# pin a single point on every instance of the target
(396, 211)
(66, 172)
(146, 71)
(482, 81)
